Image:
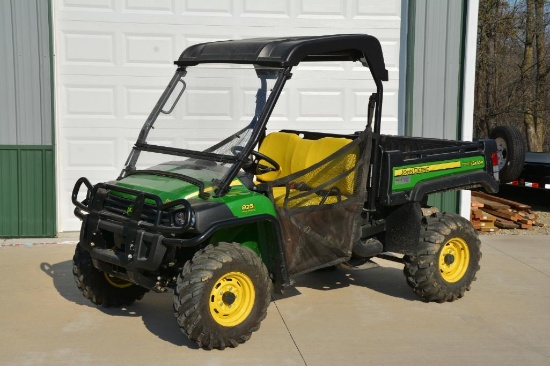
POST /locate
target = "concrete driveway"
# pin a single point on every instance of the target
(331, 318)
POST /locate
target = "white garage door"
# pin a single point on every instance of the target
(114, 58)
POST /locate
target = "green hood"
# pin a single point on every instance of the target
(240, 200)
(167, 188)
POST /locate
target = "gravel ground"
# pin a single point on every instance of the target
(543, 217)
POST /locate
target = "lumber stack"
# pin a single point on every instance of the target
(490, 213)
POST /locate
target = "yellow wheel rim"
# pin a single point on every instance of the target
(232, 299)
(454, 259)
(117, 282)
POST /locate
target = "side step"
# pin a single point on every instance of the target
(390, 257)
(359, 264)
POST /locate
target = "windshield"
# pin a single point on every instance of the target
(206, 121)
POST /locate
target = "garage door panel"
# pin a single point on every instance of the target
(321, 9)
(377, 10)
(113, 138)
(85, 6)
(139, 100)
(148, 7)
(266, 9)
(88, 48)
(263, 13)
(143, 49)
(87, 154)
(90, 101)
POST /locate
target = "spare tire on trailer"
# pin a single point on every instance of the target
(511, 152)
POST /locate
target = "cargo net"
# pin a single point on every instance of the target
(319, 207)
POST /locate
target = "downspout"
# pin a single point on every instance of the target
(468, 89)
(404, 48)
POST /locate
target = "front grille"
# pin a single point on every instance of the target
(119, 206)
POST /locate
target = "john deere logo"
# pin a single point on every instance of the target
(129, 210)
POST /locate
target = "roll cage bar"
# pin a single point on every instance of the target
(274, 52)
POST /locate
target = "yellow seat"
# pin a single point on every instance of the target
(280, 147)
(295, 154)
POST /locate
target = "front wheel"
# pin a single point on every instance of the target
(446, 261)
(222, 295)
(101, 288)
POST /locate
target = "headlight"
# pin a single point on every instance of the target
(179, 218)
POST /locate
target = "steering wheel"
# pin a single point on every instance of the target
(253, 165)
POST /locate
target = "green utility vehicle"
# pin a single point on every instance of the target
(224, 209)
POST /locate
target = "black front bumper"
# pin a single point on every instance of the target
(144, 253)
(130, 246)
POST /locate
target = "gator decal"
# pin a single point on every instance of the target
(406, 177)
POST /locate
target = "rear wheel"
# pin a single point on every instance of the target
(446, 260)
(101, 288)
(222, 295)
(511, 151)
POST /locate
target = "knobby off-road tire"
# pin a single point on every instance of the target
(222, 295)
(446, 260)
(512, 150)
(101, 288)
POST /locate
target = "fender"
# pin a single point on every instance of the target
(280, 272)
(455, 182)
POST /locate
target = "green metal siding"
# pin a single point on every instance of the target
(27, 197)
(9, 204)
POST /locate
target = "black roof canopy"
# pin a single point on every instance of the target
(290, 51)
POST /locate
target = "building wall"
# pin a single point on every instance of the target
(435, 98)
(113, 59)
(25, 95)
(27, 194)
(434, 76)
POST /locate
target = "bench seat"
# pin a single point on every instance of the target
(295, 154)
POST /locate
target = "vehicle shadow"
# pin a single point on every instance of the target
(155, 310)
(386, 280)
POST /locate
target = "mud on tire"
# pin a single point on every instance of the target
(222, 295)
(446, 260)
(98, 287)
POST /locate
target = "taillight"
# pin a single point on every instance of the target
(494, 158)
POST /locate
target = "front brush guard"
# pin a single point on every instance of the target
(96, 195)
(142, 247)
